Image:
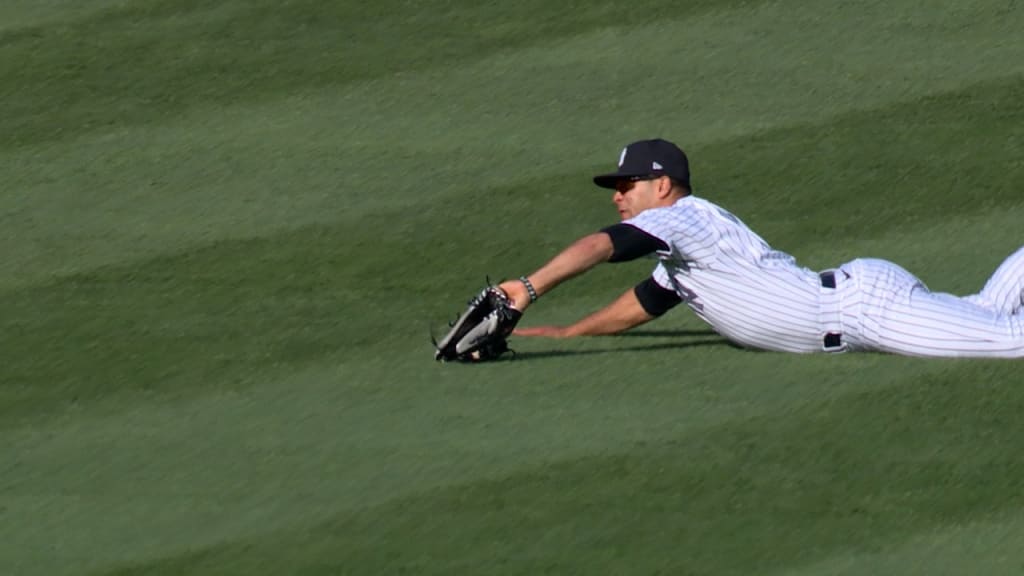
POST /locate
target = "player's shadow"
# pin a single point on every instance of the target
(682, 339)
(703, 332)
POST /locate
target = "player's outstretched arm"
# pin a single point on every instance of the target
(579, 257)
(622, 314)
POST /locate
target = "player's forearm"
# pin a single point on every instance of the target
(619, 316)
(581, 256)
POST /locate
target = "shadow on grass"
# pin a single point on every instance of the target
(703, 338)
(664, 333)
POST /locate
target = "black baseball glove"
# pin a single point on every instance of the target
(481, 332)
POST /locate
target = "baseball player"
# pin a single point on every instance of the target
(758, 297)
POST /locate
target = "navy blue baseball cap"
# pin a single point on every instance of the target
(648, 159)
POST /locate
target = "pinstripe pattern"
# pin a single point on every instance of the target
(759, 297)
(732, 279)
(898, 314)
(1004, 292)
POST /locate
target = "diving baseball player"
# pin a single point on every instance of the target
(759, 297)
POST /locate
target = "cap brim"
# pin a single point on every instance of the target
(610, 180)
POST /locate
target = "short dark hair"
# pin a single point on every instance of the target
(678, 184)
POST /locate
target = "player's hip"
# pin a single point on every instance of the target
(796, 328)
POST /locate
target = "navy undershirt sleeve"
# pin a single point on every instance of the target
(630, 242)
(655, 298)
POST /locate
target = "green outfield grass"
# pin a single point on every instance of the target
(226, 229)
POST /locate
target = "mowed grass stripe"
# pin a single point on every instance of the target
(128, 482)
(21, 14)
(228, 360)
(858, 473)
(123, 480)
(990, 546)
(338, 152)
(137, 62)
(228, 380)
(219, 313)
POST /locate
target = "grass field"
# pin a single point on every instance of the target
(225, 228)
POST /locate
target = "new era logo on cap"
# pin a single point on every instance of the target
(649, 159)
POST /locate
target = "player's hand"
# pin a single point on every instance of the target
(543, 331)
(517, 293)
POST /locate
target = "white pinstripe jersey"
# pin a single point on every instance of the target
(760, 297)
(732, 278)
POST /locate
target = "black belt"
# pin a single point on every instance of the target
(833, 340)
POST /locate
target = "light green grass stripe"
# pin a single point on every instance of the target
(422, 137)
(990, 546)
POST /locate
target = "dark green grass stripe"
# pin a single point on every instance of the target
(145, 61)
(859, 473)
(933, 158)
(220, 312)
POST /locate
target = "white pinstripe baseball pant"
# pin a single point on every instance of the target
(880, 306)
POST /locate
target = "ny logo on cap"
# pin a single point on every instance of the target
(656, 166)
(622, 157)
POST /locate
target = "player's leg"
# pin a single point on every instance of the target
(943, 325)
(899, 315)
(1004, 291)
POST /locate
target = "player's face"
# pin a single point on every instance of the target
(633, 197)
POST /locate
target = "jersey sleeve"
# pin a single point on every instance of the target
(656, 223)
(654, 293)
(630, 242)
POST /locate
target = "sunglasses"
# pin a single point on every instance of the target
(626, 184)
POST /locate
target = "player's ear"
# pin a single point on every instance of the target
(664, 187)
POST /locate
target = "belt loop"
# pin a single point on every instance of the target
(832, 337)
(828, 279)
(833, 342)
